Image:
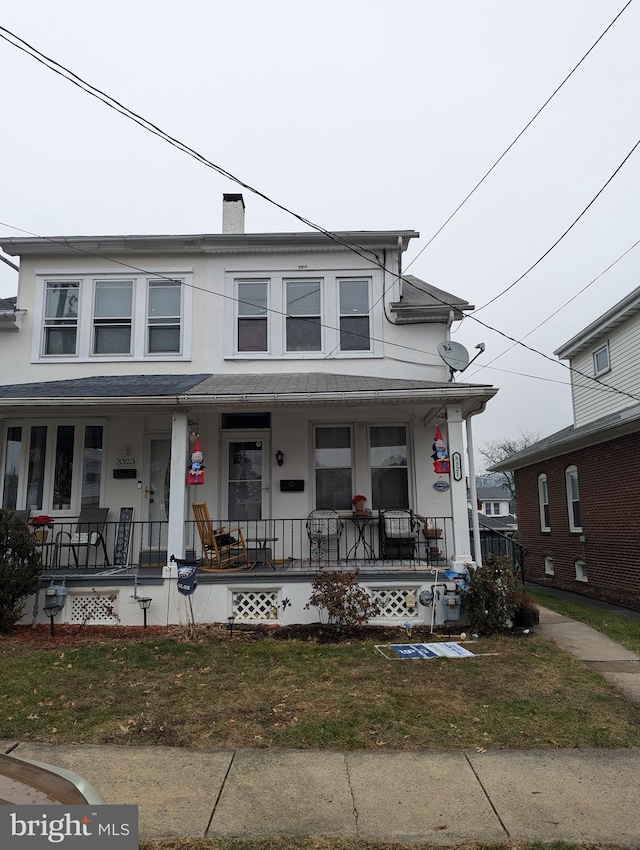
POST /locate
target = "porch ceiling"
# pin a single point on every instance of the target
(256, 391)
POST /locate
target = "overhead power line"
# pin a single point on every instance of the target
(112, 103)
(520, 134)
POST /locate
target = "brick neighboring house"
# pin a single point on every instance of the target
(577, 493)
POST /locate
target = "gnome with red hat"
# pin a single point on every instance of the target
(440, 455)
(196, 473)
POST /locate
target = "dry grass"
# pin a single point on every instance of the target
(279, 843)
(218, 692)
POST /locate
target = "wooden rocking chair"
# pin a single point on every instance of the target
(222, 549)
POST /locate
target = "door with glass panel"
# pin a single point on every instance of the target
(156, 492)
(246, 482)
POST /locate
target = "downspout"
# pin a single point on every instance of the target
(473, 493)
(400, 268)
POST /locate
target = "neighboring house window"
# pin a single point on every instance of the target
(354, 315)
(164, 317)
(496, 509)
(252, 315)
(333, 467)
(112, 317)
(548, 566)
(543, 501)
(304, 315)
(57, 467)
(601, 360)
(573, 499)
(388, 460)
(61, 318)
(581, 571)
(487, 508)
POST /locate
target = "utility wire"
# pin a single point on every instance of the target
(148, 125)
(524, 129)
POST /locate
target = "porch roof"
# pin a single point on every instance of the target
(242, 390)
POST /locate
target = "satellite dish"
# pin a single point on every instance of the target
(454, 355)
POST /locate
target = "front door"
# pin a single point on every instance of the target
(156, 491)
(245, 459)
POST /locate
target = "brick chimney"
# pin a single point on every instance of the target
(232, 214)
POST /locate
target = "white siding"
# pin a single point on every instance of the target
(591, 401)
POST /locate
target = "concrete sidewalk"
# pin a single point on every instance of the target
(427, 796)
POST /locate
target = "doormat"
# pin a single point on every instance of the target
(424, 650)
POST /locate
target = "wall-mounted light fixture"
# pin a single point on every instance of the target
(279, 457)
(193, 425)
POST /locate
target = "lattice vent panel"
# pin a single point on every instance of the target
(397, 602)
(255, 605)
(94, 609)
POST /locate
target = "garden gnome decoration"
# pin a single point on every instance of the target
(440, 455)
(196, 473)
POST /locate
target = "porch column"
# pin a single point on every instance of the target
(461, 538)
(178, 490)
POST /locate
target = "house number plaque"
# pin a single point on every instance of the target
(456, 463)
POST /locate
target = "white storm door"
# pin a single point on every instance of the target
(156, 491)
(246, 477)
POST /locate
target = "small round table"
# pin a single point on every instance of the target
(361, 521)
(261, 555)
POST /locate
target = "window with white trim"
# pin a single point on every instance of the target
(543, 502)
(388, 461)
(601, 362)
(304, 315)
(61, 318)
(100, 316)
(253, 323)
(53, 466)
(581, 571)
(355, 332)
(333, 460)
(573, 498)
(112, 316)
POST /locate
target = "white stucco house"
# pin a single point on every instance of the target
(304, 366)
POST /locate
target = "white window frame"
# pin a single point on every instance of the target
(111, 321)
(48, 472)
(49, 323)
(367, 314)
(581, 570)
(285, 288)
(543, 501)
(164, 321)
(326, 425)
(85, 324)
(407, 467)
(602, 370)
(239, 315)
(571, 475)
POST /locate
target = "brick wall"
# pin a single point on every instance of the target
(609, 480)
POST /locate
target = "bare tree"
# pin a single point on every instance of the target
(499, 450)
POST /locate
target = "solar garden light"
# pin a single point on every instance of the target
(144, 602)
(51, 608)
(231, 621)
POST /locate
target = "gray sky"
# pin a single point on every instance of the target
(358, 115)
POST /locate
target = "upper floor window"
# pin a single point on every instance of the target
(304, 315)
(354, 315)
(112, 317)
(601, 362)
(543, 502)
(61, 317)
(163, 318)
(253, 303)
(573, 499)
(102, 316)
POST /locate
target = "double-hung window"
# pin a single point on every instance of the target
(333, 467)
(253, 325)
(355, 333)
(543, 502)
(388, 461)
(601, 362)
(304, 315)
(573, 499)
(112, 317)
(61, 318)
(164, 316)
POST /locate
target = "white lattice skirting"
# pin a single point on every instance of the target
(255, 604)
(94, 609)
(396, 603)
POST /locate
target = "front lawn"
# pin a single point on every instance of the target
(220, 691)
